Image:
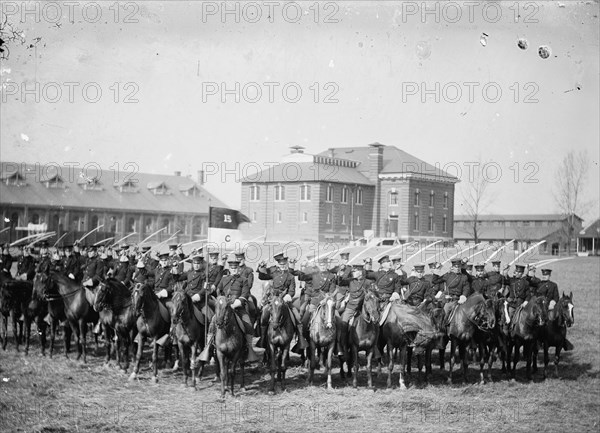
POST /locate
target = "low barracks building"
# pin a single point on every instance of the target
(47, 198)
(348, 193)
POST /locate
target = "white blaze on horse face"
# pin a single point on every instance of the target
(329, 313)
(571, 311)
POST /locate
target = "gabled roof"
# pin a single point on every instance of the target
(514, 217)
(35, 194)
(591, 231)
(394, 161)
(308, 172)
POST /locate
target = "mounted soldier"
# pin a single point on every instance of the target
(196, 287)
(71, 264)
(519, 290)
(93, 271)
(44, 264)
(457, 287)
(163, 280)
(122, 271)
(26, 265)
(494, 281)
(283, 284)
(546, 288)
(387, 281)
(236, 289)
(6, 260)
(479, 283)
(419, 287)
(319, 281)
(346, 270)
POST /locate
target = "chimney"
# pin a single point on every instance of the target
(201, 177)
(331, 152)
(375, 167)
(177, 173)
(297, 149)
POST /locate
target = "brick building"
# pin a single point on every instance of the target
(344, 194)
(54, 198)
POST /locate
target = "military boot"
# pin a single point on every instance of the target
(205, 354)
(252, 356)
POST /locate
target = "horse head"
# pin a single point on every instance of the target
(566, 309)
(102, 294)
(44, 286)
(485, 314)
(328, 311)
(277, 306)
(223, 311)
(539, 310)
(140, 292)
(180, 303)
(370, 309)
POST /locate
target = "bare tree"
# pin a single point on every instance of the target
(570, 181)
(476, 197)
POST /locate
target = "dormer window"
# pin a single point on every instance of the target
(190, 190)
(13, 178)
(158, 188)
(127, 186)
(90, 184)
(53, 181)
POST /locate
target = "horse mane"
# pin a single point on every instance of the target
(120, 288)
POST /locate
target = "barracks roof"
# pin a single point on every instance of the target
(486, 233)
(514, 217)
(309, 172)
(591, 231)
(45, 186)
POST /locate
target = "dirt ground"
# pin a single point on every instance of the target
(58, 395)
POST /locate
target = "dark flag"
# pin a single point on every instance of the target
(223, 226)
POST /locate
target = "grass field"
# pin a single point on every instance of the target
(56, 395)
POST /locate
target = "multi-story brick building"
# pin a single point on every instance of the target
(58, 198)
(348, 193)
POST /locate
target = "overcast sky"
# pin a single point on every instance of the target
(375, 59)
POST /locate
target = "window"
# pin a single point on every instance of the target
(329, 195)
(128, 186)
(357, 220)
(131, 225)
(431, 198)
(253, 217)
(416, 221)
(158, 188)
(304, 192)
(393, 199)
(445, 200)
(345, 194)
(279, 193)
(94, 221)
(328, 219)
(344, 220)
(254, 193)
(416, 201)
(359, 196)
(526, 223)
(166, 223)
(430, 222)
(445, 224)
(14, 179)
(304, 217)
(278, 217)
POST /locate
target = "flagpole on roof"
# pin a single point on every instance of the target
(207, 266)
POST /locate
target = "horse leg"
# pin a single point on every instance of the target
(223, 371)
(107, 342)
(41, 326)
(557, 359)
(27, 324)
(285, 364)
(15, 325)
(354, 348)
(312, 361)
(328, 365)
(409, 352)
(83, 330)
(516, 348)
(427, 364)
(242, 383)
(402, 359)
(273, 364)
(183, 360)
(369, 367)
(138, 358)
(527, 354)
(4, 331)
(390, 353)
(482, 357)
(154, 361)
(463, 350)
(451, 365)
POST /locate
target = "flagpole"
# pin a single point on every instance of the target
(207, 265)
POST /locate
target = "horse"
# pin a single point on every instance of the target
(364, 333)
(230, 344)
(14, 300)
(153, 321)
(525, 331)
(554, 334)
(114, 304)
(474, 314)
(78, 310)
(405, 326)
(280, 333)
(45, 288)
(486, 338)
(189, 331)
(322, 334)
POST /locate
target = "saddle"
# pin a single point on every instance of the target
(384, 314)
(164, 312)
(203, 315)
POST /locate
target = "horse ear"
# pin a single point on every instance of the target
(563, 294)
(571, 296)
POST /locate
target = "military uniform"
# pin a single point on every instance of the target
(456, 286)
(94, 270)
(123, 273)
(386, 282)
(6, 263)
(547, 289)
(419, 289)
(317, 284)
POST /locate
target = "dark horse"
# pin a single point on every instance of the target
(322, 333)
(45, 288)
(279, 335)
(230, 343)
(189, 330)
(405, 326)
(153, 322)
(554, 334)
(525, 331)
(14, 300)
(364, 333)
(117, 315)
(476, 315)
(78, 310)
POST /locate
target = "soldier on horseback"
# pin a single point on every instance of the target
(44, 264)
(163, 280)
(283, 283)
(320, 281)
(419, 288)
(346, 270)
(457, 287)
(519, 291)
(196, 287)
(72, 266)
(26, 265)
(236, 289)
(387, 281)
(93, 270)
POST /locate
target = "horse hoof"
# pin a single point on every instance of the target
(271, 392)
(132, 376)
(242, 389)
(154, 379)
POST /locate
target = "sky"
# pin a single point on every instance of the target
(387, 72)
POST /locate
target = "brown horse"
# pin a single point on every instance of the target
(279, 335)
(189, 332)
(153, 322)
(117, 315)
(364, 333)
(525, 331)
(78, 310)
(45, 288)
(554, 334)
(230, 344)
(475, 314)
(322, 334)
(14, 300)
(487, 340)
